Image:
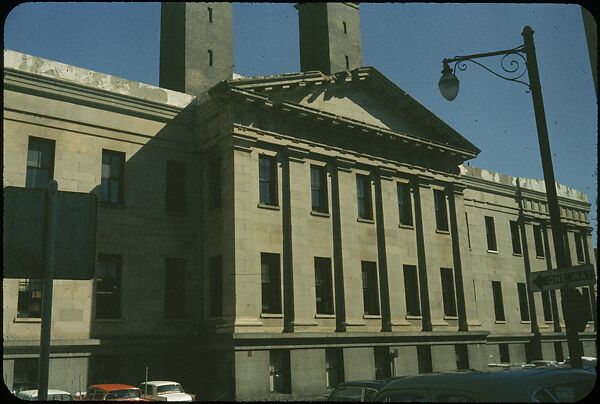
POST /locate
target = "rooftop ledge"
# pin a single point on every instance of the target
(527, 183)
(89, 78)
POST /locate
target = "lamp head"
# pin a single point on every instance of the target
(448, 83)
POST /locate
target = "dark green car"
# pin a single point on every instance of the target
(523, 385)
(357, 391)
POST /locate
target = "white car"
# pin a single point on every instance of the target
(53, 395)
(159, 390)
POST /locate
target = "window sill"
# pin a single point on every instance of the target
(500, 321)
(525, 321)
(271, 315)
(33, 320)
(320, 214)
(269, 207)
(438, 231)
(517, 254)
(414, 317)
(549, 321)
(492, 251)
(112, 205)
(406, 226)
(324, 315)
(450, 317)
(362, 220)
(372, 316)
(540, 257)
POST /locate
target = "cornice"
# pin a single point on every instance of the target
(63, 90)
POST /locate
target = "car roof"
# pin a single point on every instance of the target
(159, 382)
(376, 384)
(112, 387)
(33, 393)
(493, 384)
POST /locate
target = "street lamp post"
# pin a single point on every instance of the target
(449, 86)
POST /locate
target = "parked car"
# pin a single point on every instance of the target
(159, 390)
(360, 390)
(588, 362)
(121, 392)
(541, 364)
(519, 385)
(53, 395)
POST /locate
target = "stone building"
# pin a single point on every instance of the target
(275, 235)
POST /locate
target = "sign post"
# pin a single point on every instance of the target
(563, 278)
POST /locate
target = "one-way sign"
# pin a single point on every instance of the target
(572, 277)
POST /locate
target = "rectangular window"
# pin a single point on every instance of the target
(271, 283)
(363, 193)
(579, 239)
(411, 290)
(405, 204)
(523, 301)
(516, 237)
(214, 183)
(111, 183)
(267, 177)
(462, 356)
(539, 242)
(546, 305)
(210, 57)
(498, 302)
(441, 215)
(29, 300)
(369, 282)
(280, 372)
(490, 232)
(40, 162)
(334, 366)
(448, 294)
(383, 362)
(25, 374)
(175, 189)
(345, 27)
(174, 288)
(210, 15)
(215, 265)
(504, 353)
(424, 359)
(347, 62)
(318, 188)
(323, 285)
(108, 286)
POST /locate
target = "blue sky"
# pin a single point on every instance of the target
(405, 41)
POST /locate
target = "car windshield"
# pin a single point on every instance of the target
(169, 388)
(60, 397)
(347, 394)
(126, 393)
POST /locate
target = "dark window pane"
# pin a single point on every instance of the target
(267, 178)
(441, 215)
(504, 353)
(539, 243)
(271, 283)
(111, 183)
(411, 291)
(108, 286)
(363, 193)
(323, 285)
(448, 295)
(405, 204)
(516, 237)
(523, 301)
(547, 306)
(318, 188)
(40, 163)
(498, 302)
(579, 239)
(490, 233)
(370, 289)
(29, 299)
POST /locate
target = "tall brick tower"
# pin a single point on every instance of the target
(329, 36)
(196, 46)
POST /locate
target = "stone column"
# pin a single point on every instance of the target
(384, 290)
(338, 261)
(456, 192)
(421, 256)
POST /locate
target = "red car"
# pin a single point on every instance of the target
(120, 392)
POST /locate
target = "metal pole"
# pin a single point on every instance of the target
(49, 238)
(575, 350)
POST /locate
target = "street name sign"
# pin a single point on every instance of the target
(563, 278)
(23, 234)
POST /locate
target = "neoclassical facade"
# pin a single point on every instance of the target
(276, 235)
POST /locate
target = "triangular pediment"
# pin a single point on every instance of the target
(363, 95)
